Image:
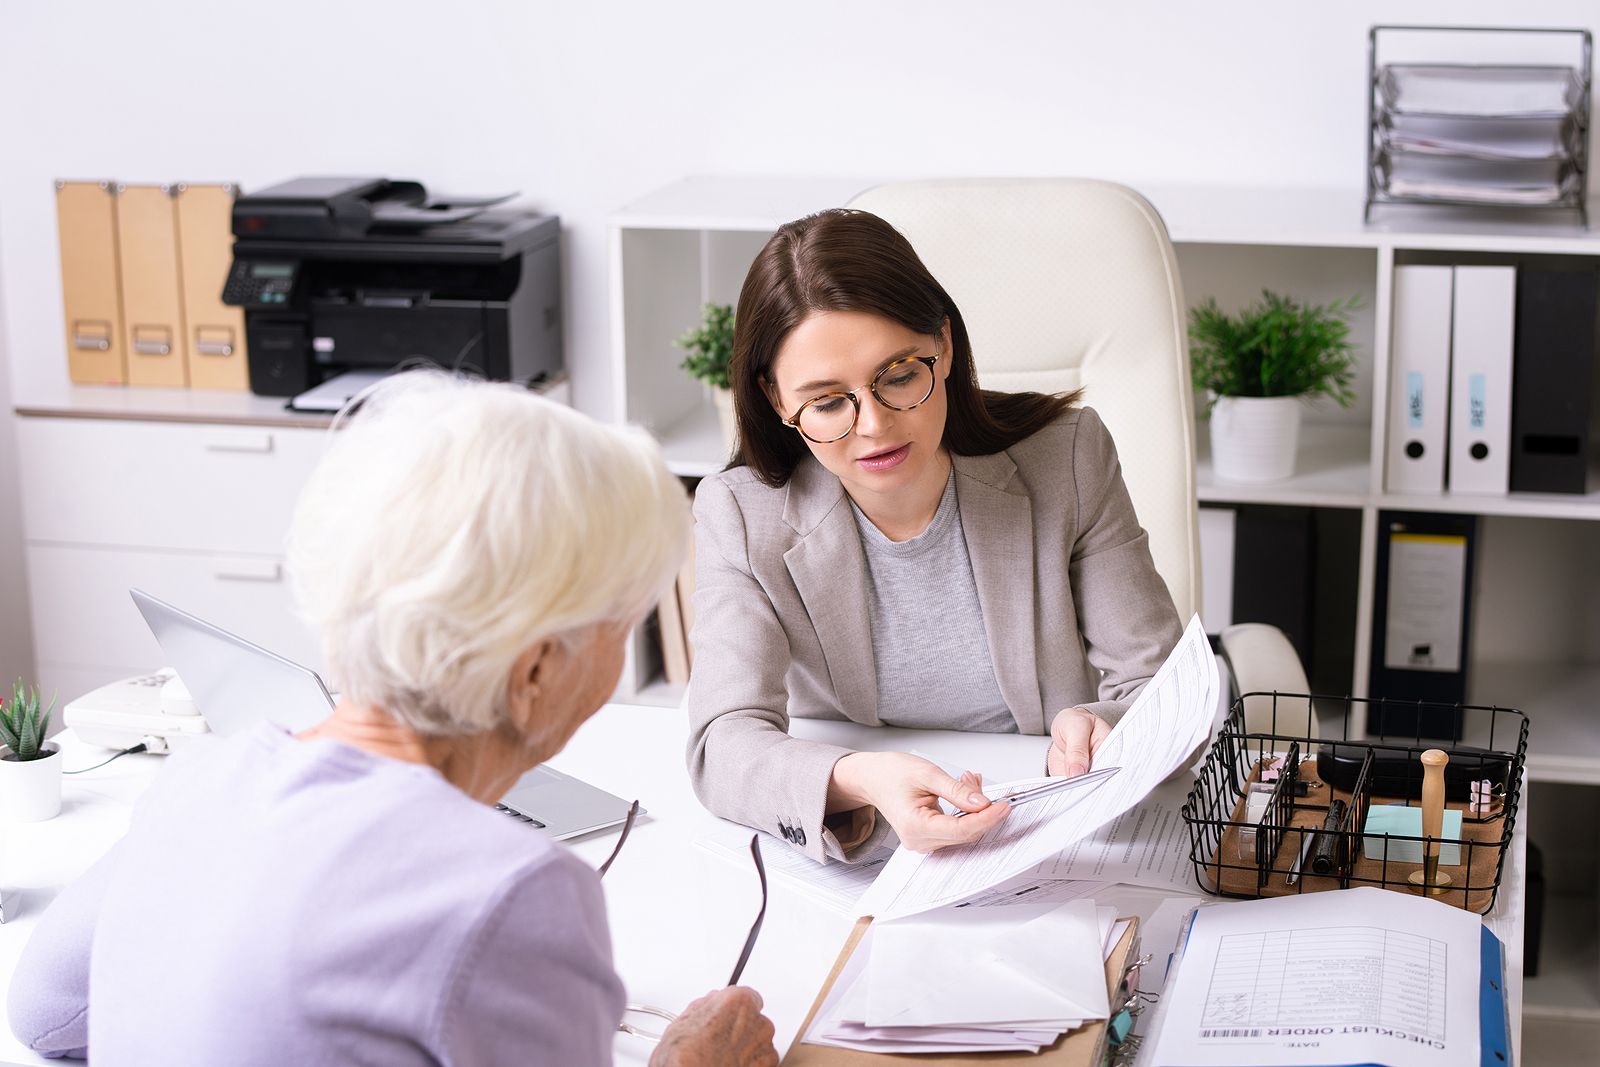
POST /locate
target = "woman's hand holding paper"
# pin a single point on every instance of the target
(1075, 735)
(906, 790)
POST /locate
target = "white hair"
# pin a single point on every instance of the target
(455, 523)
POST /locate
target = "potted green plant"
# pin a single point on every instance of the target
(1257, 367)
(710, 350)
(30, 766)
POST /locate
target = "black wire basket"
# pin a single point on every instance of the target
(1286, 809)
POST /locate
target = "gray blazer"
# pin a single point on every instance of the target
(1075, 613)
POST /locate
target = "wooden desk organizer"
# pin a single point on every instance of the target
(1235, 857)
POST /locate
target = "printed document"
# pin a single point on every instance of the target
(1171, 717)
(1146, 845)
(1358, 976)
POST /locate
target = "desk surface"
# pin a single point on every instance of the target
(678, 913)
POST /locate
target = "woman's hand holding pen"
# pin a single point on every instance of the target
(906, 790)
(1074, 737)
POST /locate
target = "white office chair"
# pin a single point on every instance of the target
(1068, 283)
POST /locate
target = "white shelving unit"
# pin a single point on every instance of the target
(1536, 640)
(1568, 983)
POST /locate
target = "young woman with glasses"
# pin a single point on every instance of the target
(892, 545)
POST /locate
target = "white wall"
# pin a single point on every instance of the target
(584, 106)
(16, 642)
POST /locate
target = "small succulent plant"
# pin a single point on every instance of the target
(24, 722)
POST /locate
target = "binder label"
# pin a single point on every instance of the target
(1427, 600)
(1476, 389)
(1414, 400)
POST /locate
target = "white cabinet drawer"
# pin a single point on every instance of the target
(162, 485)
(83, 616)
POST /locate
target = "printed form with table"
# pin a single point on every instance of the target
(999, 946)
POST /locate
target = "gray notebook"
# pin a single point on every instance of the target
(237, 684)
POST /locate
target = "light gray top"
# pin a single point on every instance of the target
(928, 644)
(279, 901)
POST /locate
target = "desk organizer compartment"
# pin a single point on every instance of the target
(1235, 857)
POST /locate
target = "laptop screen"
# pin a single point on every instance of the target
(234, 683)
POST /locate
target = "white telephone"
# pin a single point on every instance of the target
(153, 708)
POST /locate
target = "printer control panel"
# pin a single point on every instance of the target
(260, 283)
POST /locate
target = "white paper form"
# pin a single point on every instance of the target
(1358, 976)
(1146, 845)
(1171, 717)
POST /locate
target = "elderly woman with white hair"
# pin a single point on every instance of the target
(473, 558)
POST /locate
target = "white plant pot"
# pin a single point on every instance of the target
(30, 790)
(1254, 438)
(723, 398)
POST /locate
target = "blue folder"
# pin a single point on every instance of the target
(1494, 1015)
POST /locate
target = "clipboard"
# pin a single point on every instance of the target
(1083, 1047)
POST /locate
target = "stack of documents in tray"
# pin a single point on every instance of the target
(1479, 134)
(983, 979)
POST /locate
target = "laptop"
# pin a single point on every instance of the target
(237, 684)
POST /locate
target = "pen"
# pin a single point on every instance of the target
(1305, 847)
(1023, 796)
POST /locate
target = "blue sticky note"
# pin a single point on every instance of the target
(1403, 821)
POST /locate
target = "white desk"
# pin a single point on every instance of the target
(678, 913)
(37, 860)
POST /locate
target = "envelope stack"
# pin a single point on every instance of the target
(972, 979)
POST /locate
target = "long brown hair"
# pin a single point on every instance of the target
(844, 260)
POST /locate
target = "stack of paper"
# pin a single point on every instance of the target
(1479, 134)
(999, 979)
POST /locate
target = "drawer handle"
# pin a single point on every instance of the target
(258, 444)
(152, 340)
(93, 335)
(213, 340)
(249, 571)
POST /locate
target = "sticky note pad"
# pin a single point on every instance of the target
(1403, 821)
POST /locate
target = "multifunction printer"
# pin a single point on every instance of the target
(343, 274)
